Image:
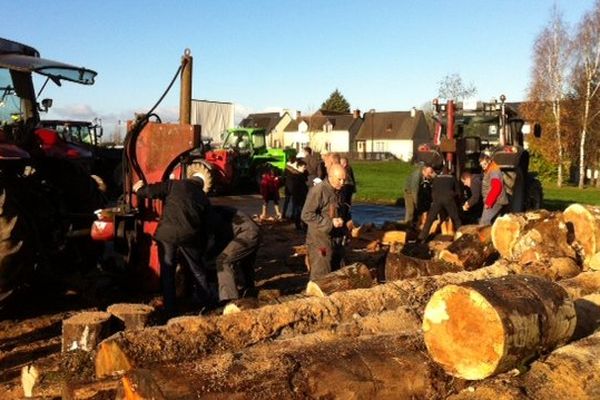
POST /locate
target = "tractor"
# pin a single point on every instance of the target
(466, 129)
(240, 162)
(47, 198)
(105, 163)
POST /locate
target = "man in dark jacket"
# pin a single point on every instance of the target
(312, 161)
(298, 190)
(473, 205)
(444, 194)
(236, 242)
(182, 228)
(326, 216)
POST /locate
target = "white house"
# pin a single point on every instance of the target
(395, 132)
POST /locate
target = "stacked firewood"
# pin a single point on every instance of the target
(507, 311)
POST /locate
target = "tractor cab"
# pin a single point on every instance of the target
(464, 130)
(246, 140)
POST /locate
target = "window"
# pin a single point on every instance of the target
(380, 146)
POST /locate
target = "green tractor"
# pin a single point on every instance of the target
(240, 162)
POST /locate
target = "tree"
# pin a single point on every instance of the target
(453, 88)
(586, 75)
(336, 102)
(551, 59)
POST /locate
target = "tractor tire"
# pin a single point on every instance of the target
(16, 253)
(205, 173)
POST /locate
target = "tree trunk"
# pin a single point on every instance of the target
(85, 330)
(193, 337)
(585, 220)
(400, 266)
(382, 367)
(355, 276)
(532, 236)
(471, 250)
(132, 316)
(481, 328)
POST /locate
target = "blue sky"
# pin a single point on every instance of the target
(266, 55)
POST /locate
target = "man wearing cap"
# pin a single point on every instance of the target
(492, 189)
(181, 229)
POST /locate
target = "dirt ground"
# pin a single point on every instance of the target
(30, 328)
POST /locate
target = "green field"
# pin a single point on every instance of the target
(382, 182)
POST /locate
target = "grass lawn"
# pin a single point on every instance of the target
(382, 182)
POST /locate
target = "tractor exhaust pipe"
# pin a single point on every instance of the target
(185, 100)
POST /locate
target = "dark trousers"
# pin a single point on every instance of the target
(449, 207)
(286, 204)
(192, 255)
(240, 252)
(297, 205)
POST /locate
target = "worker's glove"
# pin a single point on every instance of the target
(137, 186)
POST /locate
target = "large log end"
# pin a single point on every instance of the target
(455, 315)
(111, 359)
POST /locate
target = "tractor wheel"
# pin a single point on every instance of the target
(205, 173)
(15, 246)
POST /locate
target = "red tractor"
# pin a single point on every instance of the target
(464, 130)
(47, 198)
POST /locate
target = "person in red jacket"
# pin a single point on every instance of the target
(492, 190)
(269, 190)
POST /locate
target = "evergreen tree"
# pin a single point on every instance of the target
(336, 102)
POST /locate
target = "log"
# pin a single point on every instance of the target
(353, 276)
(585, 220)
(85, 330)
(133, 316)
(391, 237)
(471, 250)
(532, 236)
(555, 269)
(240, 305)
(400, 266)
(187, 338)
(594, 262)
(569, 372)
(381, 366)
(481, 328)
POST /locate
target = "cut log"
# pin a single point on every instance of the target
(193, 337)
(391, 237)
(381, 367)
(555, 269)
(133, 316)
(532, 236)
(471, 250)
(240, 305)
(353, 276)
(85, 330)
(585, 220)
(481, 328)
(569, 372)
(594, 262)
(400, 266)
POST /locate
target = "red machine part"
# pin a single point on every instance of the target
(54, 146)
(222, 162)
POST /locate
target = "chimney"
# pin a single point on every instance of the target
(356, 113)
(413, 112)
(298, 115)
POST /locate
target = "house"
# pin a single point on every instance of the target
(274, 124)
(393, 132)
(323, 131)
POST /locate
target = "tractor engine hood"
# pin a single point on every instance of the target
(54, 70)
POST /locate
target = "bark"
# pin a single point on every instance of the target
(532, 236)
(471, 250)
(555, 269)
(585, 222)
(382, 367)
(400, 266)
(192, 337)
(482, 328)
(355, 276)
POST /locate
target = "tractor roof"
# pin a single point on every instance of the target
(20, 57)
